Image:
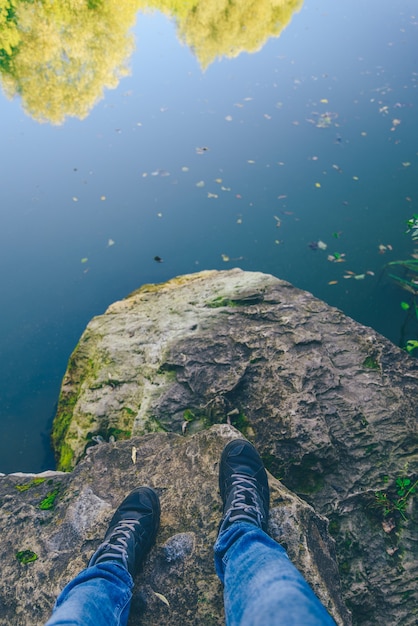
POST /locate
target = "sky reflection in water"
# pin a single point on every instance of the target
(302, 147)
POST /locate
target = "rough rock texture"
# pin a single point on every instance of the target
(180, 567)
(330, 404)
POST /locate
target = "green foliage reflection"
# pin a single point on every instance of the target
(216, 28)
(60, 55)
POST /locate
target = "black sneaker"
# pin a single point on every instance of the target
(132, 530)
(243, 485)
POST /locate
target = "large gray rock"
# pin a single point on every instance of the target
(184, 471)
(330, 404)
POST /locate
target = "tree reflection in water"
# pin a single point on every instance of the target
(60, 57)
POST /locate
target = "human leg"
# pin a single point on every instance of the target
(261, 585)
(101, 594)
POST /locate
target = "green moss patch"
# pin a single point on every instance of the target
(26, 556)
(49, 501)
(220, 301)
(32, 483)
(371, 363)
(62, 420)
(66, 458)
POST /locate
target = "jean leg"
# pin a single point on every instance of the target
(261, 585)
(99, 596)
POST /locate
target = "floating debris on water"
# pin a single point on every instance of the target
(317, 245)
(337, 257)
(384, 248)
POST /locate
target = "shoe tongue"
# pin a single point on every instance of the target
(246, 468)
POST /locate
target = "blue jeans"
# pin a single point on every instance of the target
(98, 596)
(261, 587)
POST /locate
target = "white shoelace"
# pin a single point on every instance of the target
(246, 501)
(116, 547)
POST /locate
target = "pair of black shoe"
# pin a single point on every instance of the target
(134, 526)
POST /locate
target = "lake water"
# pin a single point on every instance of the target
(250, 163)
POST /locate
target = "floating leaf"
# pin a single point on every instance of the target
(84, 259)
(225, 258)
(110, 242)
(317, 185)
(411, 344)
(201, 183)
(405, 306)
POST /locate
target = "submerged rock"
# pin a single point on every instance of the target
(329, 403)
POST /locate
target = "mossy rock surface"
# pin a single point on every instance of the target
(330, 404)
(43, 549)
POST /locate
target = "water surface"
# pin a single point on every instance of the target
(245, 163)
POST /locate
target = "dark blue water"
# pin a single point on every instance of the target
(297, 131)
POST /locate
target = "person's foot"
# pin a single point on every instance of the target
(132, 530)
(243, 485)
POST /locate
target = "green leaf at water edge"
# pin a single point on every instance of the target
(411, 344)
